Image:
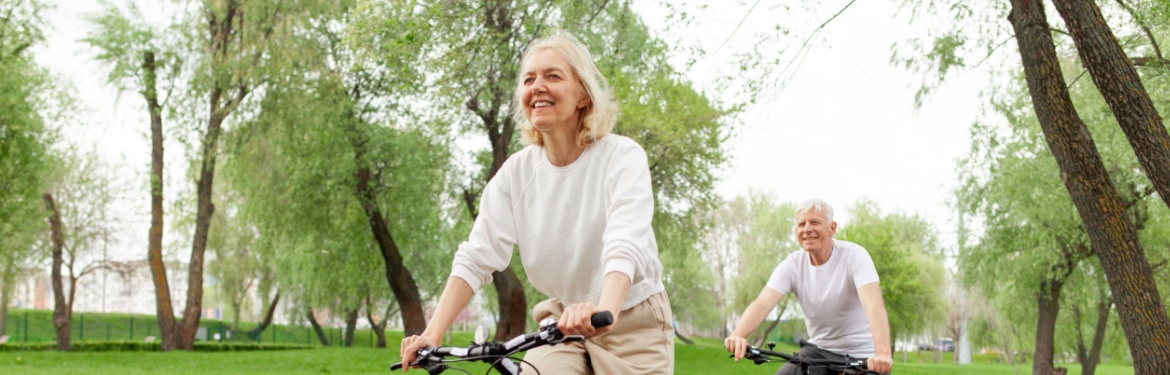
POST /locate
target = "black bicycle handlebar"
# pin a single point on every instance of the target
(849, 365)
(432, 358)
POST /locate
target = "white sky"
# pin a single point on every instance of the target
(843, 129)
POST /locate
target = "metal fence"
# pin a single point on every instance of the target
(30, 326)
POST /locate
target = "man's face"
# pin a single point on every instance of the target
(814, 231)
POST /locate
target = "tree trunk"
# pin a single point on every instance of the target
(1049, 308)
(378, 328)
(351, 319)
(1089, 365)
(767, 331)
(317, 327)
(1110, 231)
(397, 275)
(1082, 350)
(513, 305)
(684, 339)
(162, 292)
(259, 330)
(193, 311)
(401, 282)
(224, 98)
(7, 275)
(61, 310)
(1118, 81)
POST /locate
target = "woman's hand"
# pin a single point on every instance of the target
(575, 320)
(737, 345)
(409, 349)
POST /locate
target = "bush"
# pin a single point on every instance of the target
(132, 346)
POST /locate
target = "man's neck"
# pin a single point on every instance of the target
(822, 256)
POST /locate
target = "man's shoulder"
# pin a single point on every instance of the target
(847, 246)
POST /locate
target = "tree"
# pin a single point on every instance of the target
(136, 57)
(371, 183)
(1115, 75)
(1111, 233)
(906, 254)
(29, 103)
(1028, 235)
(225, 65)
(765, 243)
(723, 253)
(61, 311)
(81, 229)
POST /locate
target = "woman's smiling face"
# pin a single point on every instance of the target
(551, 94)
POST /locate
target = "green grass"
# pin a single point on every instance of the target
(706, 357)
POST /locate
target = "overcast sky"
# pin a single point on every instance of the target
(844, 127)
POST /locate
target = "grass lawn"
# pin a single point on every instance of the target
(706, 357)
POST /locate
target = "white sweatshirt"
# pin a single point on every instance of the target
(574, 224)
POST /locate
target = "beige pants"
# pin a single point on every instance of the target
(642, 342)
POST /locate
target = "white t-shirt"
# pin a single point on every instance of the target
(574, 224)
(828, 296)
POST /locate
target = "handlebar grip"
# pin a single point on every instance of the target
(601, 319)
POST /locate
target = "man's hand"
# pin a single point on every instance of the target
(737, 345)
(409, 349)
(880, 363)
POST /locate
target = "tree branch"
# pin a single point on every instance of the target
(1146, 29)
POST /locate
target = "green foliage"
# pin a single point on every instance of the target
(906, 254)
(767, 241)
(21, 27)
(1025, 226)
(296, 166)
(30, 102)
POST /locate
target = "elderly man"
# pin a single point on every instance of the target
(836, 285)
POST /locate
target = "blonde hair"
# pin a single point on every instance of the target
(597, 118)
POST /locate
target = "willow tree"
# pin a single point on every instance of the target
(1114, 72)
(1101, 208)
(766, 242)
(27, 107)
(1111, 233)
(137, 56)
(1021, 206)
(80, 201)
(907, 256)
(366, 194)
(225, 48)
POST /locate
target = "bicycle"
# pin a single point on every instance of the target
(499, 355)
(850, 366)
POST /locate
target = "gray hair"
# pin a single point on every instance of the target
(815, 205)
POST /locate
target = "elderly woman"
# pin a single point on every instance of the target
(577, 200)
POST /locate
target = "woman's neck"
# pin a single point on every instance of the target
(562, 149)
